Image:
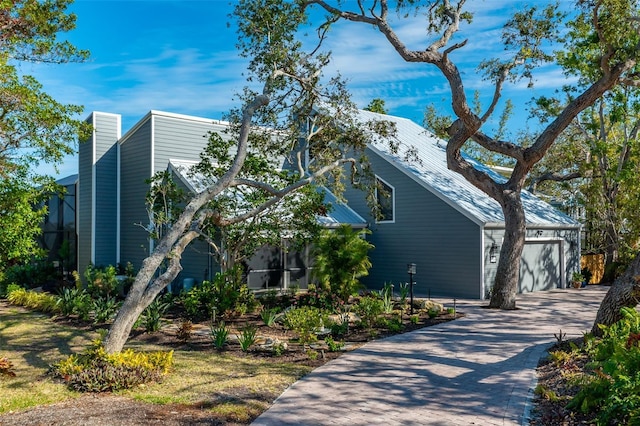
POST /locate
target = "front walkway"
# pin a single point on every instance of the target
(478, 370)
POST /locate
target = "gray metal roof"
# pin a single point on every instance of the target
(337, 214)
(430, 170)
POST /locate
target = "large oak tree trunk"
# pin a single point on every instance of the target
(505, 287)
(625, 292)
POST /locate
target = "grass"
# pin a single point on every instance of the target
(31, 341)
(237, 388)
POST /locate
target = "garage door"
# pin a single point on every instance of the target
(540, 266)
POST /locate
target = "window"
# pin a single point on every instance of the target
(385, 197)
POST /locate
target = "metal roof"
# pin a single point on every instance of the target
(430, 170)
(338, 213)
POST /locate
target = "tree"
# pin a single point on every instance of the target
(341, 258)
(597, 161)
(292, 117)
(604, 37)
(34, 128)
(377, 105)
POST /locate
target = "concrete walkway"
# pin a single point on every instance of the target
(478, 370)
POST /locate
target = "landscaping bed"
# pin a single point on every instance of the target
(208, 385)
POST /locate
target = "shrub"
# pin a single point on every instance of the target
(75, 301)
(386, 295)
(151, 318)
(269, 316)
(219, 335)
(104, 308)
(369, 309)
(612, 389)
(96, 371)
(31, 275)
(247, 337)
(226, 294)
(319, 298)
(341, 258)
(304, 321)
(101, 282)
(39, 301)
(333, 345)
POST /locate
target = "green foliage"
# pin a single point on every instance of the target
(219, 335)
(39, 301)
(269, 316)
(319, 298)
(377, 105)
(415, 319)
(151, 318)
(226, 294)
(104, 309)
(35, 128)
(96, 371)
(333, 345)
(369, 309)
(101, 282)
(31, 274)
(612, 389)
(394, 324)
(386, 295)
(433, 312)
(279, 348)
(247, 337)
(341, 257)
(11, 288)
(305, 321)
(74, 301)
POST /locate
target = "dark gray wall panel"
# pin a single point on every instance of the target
(443, 243)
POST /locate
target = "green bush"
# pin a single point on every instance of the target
(104, 308)
(226, 294)
(151, 318)
(247, 337)
(369, 309)
(305, 321)
(341, 258)
(96, 371)
(74, 301)
(43, 302)
(101, 282)
(612, 388)
(31, 275)
(219, 335)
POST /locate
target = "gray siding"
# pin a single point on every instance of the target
(550, 256)
(442, 242)
(135, 168)
(85, 202)
(178, 138)
(107, 128)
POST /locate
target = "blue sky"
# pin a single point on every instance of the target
(180, 57)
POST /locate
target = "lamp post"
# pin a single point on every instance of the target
(411, 269)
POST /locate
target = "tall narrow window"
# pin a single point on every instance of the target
(385, 197)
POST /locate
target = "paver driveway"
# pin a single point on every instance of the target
(478, 370)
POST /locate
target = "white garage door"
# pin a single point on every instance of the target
(540, 267)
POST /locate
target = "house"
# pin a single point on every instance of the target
(112, 219)
(433, 217)
(451, 230)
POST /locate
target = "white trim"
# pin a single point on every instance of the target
(93, 189)
(118, 194)
(393, 200)
(152, 171)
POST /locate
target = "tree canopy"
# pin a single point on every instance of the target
(34, 127)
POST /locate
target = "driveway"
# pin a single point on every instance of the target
(478, 370)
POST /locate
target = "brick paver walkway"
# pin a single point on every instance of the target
(478, 370)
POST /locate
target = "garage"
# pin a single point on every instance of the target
(541, 266)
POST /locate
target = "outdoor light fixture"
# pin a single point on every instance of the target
(411, 269)
(493, 253)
